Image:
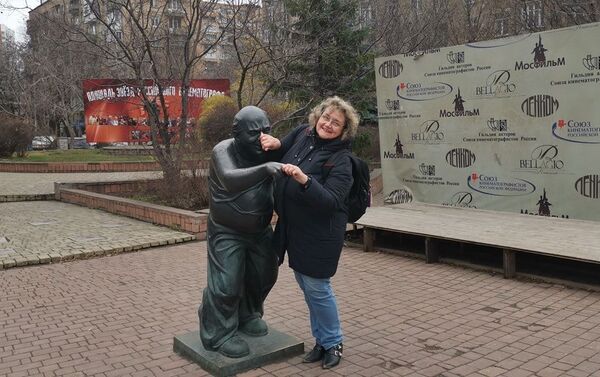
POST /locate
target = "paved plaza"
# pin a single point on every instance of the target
(49, 231)
(14, 184)
(117, 315)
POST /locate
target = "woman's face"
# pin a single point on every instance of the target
(330, 124)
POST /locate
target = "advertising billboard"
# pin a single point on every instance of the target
(511, 124)
(114, 112)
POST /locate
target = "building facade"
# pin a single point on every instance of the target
(7, 35)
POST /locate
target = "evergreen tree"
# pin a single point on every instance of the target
(335, 58)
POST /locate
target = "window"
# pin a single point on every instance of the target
(416, 5)
(501, 23)
(174, 23)
(174, 5)
(114, 17)
(364, 15)
(531, 14)
(155, 21)
(92, 29)
(469, 3)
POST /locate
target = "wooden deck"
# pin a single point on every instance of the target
(563, 238)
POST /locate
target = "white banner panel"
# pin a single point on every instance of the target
(511, 124)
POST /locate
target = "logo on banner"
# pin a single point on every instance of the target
(498, 124)
(539, 59)
(499, 186)
(399, 196)
(429, 133)
(497, 83)
(392, 104)
(456, 57)
(542, 208)
(589, 186)
(459, 108)
(398, 151)
(544, 158)
(576, 131)
(460, 199)
(427, 170)
(390, 69)
(460, 158)
(540, 105)
(592, 63)
(423, 91)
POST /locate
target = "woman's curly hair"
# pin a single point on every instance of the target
(351, 116)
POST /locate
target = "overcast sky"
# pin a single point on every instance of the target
(14, 14)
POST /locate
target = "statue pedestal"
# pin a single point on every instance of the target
(275, 346)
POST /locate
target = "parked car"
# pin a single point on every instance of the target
(42, 142)
(80, 143)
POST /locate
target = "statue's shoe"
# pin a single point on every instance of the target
(235, 347)
(254, 327)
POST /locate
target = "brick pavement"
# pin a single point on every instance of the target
(50, 231)
(21, 184)
(116, 316)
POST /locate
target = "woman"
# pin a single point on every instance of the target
(310, 202)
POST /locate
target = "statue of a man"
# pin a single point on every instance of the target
(242, 267)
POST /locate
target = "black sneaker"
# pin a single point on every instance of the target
(315, 355)
(332, 356)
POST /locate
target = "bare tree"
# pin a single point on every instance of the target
(163, 43)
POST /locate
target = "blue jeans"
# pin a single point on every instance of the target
(322, 306)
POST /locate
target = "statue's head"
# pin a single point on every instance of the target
(248, 124)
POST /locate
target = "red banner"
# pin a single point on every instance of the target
(114, 112)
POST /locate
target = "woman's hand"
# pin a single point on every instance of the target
(269, 143)
(295, 172)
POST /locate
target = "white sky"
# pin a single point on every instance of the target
(14, 14)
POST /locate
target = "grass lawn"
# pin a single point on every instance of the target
(75, 155)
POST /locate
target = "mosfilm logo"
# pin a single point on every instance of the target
(461, 199)
(576, 131)
(589, 186)
(459, 108)
(543, 158)
(460, 158)
(399, 196)
(412, 91)
(540, 105)
(390, 69)
(429, 133)
(427, 170)
(592, 63)
(498, 124)
(499, 186)
(497, 84)
(456, 57)
(542, 208)
(539, 59)
(392, 104)
(398, 151)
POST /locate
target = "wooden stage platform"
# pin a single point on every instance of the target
(513, 233)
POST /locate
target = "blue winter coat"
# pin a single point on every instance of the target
(312, 221)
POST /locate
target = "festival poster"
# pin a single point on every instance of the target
(114, 112)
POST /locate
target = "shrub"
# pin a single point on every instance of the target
(15, 135)
(216, 120)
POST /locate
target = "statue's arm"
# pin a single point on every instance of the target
(236, 179)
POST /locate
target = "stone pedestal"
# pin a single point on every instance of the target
(275, 346)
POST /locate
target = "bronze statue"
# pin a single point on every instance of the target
(242, 267)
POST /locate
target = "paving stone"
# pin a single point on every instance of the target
(74, 232)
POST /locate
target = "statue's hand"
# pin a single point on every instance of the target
(274, 168)
(269, 143)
